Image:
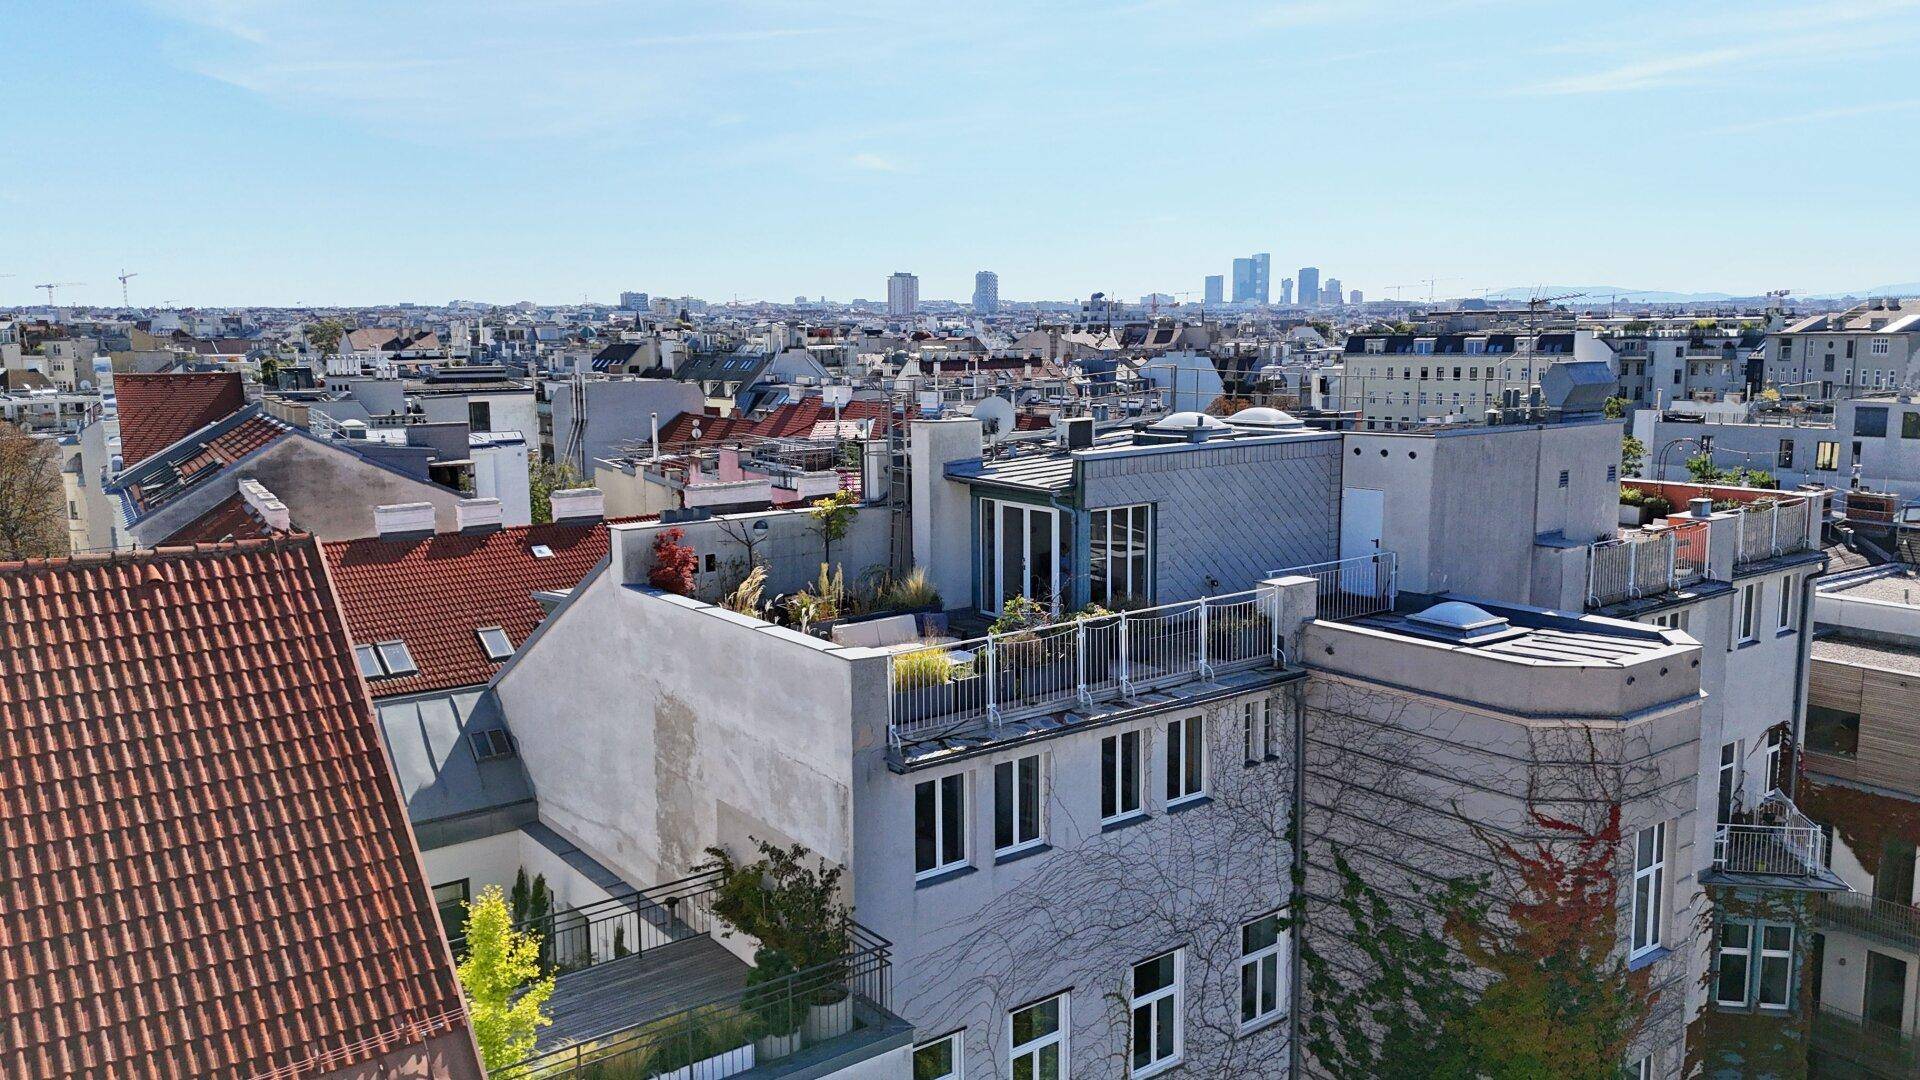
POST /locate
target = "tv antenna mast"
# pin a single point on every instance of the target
(123, 276)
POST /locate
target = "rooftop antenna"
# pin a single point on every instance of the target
(123, 275)
(52, 285)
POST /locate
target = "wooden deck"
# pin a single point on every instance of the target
(635, 989)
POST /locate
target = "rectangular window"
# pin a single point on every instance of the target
(1156, 1013)
(1017, 806)
(1262, 951)
(1784, 459)
(1639, 1070)
(1649, 887)
(493, 642)
(396, 659)
(1119, 776)
(1869, 423)
(1910, 425)
(369, 660)
(1746, 615)
(1259, 732)
(939, 824)
(1729, 780)
(1771, 761)
(1736, 960)
(1880, 347)
(451, 901)
(1119, 555)
(1039, 1045)
(939, 1059)
(1787, 593)
(1186, 759)
(1833, 731)
(1776, 965)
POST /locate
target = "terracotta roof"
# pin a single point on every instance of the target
(164, 479)
(794, 419)
(157, 411)
(230, 520)
(434, 592)
(205, 867)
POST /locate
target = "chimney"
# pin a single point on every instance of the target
(1076, 432)
(1701, 507)
(578, 505)
(477, 515)
(403, 521)
(265, 504)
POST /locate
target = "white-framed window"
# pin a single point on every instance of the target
(1263, 947)
(1787, 593)
(1258, 729)
(1019, 553)
(494, 642)
(1639, 1070)
(1038, 1047)
(1746, 613)
(1671, 620)
(1881, 346)
(386, 658)
(1770, 763)
(940, 1059)
(939, 824)
(1186, 759)
(1776, 965)
(1157, 1041)
(1729, 780)
(1120, 769)
(1649, 887)
(1018, 804)
(1120, 554)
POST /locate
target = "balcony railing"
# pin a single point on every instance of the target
(625, 924)
(1773, 531)
(986, 680)
(1781, 841)
(1351, 588)
(1646, 563)
(1875, 1049)
(1871, 915)
(734, 1032)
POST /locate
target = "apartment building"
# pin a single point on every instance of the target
(1870, 442)
(1422, 378)
(1871, 346)
(1657, 366)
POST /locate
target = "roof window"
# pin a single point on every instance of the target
(494, 642)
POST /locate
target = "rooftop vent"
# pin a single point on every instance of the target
(1461, 623)
(1262, 417)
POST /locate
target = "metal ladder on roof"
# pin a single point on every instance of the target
(899, 488)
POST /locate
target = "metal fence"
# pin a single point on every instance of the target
(1630, 567)
(627, 923)
(734, 1032)
(1768, 532)
(1876, 1049)
(987, 679)
(1351, 588)
(1781, 841)
(1870, 914)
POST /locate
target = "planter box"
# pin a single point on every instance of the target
(718, 1067)
(1634, 515)
(829, 1021)
(775, 1047)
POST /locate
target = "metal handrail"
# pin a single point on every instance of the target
(628, 922)
(1780, 840)
(1863, 911)
(1352, 587)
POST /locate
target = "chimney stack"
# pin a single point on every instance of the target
(477, 515)
(1701, 507)
(266, 505)
(403, 521)
(578, 506)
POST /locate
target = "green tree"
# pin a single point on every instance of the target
(1633, 455)
(506, 996)
(832, 517)
(1701, 468)
(325, 335)
(1616, 408)
(543, 479)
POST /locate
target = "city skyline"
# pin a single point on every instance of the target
(275, 160)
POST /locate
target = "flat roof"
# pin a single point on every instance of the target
(1863, 652)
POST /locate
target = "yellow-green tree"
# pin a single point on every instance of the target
(500, 975)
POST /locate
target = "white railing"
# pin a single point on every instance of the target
(1630, 567)
(1772, 531)
(1781, 841)
(1689, 552)
(986, 680)
(1351, 588)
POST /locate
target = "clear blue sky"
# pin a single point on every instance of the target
(246, 151)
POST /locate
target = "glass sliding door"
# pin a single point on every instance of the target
(1020, 554)
(1120, 556)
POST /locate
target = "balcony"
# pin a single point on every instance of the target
(987, 680)
(1779, 848)
(1769, 532)
(1646, 563)
(1351, 588)
(1890, 921)
(1845, 1044)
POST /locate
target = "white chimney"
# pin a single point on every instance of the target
(477, 515)
(403, 520)
(266, 505)
(579, 505)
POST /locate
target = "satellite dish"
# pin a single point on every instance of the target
(996, 417)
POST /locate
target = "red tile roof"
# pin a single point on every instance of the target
(230, 520)
(205, 866)
(157, 411)
(795, 419)
(435, 592)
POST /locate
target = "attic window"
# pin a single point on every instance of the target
(541, 551)
(369, 662)
(493, 641)
(490, 744)
(396, 659)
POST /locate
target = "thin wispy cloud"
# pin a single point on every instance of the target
(877, 163)
(1815, 116)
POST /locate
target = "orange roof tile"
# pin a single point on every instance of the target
(158, 410)
(434, 592)
(207, 868)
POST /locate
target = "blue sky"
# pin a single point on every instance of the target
(251, 151)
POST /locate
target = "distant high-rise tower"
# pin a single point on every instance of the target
(633, 301)
(1216, 288)
(986, 292)
(1309, 286)
(903, 295)
(1286, 292)
(1356, 298)
(1250, 277)
(1262, 275)
(1334, 293)
(1242, 280)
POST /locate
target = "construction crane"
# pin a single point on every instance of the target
(52, 285)
(123, 275)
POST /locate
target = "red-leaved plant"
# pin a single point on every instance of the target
(673, 563)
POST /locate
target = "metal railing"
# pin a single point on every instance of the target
(1780, 841)
(1646, 563)
(1353, 587)
(629, 922)
(988, 679)
(733, 1032)
(1877, 1049)
(1771, 531)
(1870, 914)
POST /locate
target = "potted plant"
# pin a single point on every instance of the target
(776, 1012)
(794, 909)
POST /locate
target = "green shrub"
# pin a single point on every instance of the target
(705, 1032)
(921, 668)
(910, 592)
